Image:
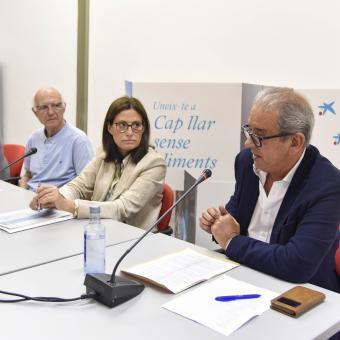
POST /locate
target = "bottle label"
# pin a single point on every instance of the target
(94, 253)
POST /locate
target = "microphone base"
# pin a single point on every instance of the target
(112, 294)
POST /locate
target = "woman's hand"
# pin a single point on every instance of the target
(48, 196)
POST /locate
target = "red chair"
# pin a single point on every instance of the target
(12, 152)
(167, 201)
(337, 259)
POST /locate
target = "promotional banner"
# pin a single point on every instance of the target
(195, 127)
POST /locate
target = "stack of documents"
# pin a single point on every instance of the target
(181, 270)
(19, 220)
(200, 304)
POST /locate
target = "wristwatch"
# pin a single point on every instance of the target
(76, 208)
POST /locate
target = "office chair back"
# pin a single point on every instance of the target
(12, 152)
(337, 258)
(167, 202)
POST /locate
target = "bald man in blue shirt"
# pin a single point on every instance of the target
(63, 150)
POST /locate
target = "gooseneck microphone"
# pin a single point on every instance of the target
(30, 152)
(112, 290)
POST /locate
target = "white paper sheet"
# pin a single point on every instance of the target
(224, 317)
(19, 220)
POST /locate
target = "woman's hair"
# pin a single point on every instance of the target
(109, 146)
(295, 113)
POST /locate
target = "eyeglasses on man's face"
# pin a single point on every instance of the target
(55, 107)
(257, 140)
(123, 126)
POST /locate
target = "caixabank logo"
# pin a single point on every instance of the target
(336, 139)
(326, 109)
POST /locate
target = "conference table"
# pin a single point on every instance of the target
(51, 242)
(142, 317)
(48, 261)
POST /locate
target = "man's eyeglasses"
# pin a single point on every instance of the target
(257, 140)
(56, 107)
(136, 127)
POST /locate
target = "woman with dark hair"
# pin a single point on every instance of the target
(125, 179)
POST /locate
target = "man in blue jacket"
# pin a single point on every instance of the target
(284, 215)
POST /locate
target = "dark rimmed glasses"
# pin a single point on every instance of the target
(257, 140)
(123, 126)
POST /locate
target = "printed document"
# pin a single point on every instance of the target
(181, 270)
(19, 220)
(199, 304)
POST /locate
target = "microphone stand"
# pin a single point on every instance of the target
(10, 164)
(114, 290)
(29, 153)
(11, 179)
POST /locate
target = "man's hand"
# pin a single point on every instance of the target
(224, 229)
(209, 217)
(220, 224)
(24, 179)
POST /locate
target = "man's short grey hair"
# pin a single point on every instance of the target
(295, 113)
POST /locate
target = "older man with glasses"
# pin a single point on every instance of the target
(284, 214)
(63, 150)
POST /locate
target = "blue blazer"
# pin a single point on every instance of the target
(305, 232)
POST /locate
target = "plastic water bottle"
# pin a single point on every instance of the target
(94, 243)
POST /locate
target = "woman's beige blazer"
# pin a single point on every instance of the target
(137, 196)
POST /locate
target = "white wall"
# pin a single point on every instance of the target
(38, 48)
(292, 42)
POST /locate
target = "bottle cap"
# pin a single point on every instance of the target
(94, 209)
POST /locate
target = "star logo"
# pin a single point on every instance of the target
(326, 107)
(336, 139)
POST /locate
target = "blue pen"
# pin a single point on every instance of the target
(236, 297)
